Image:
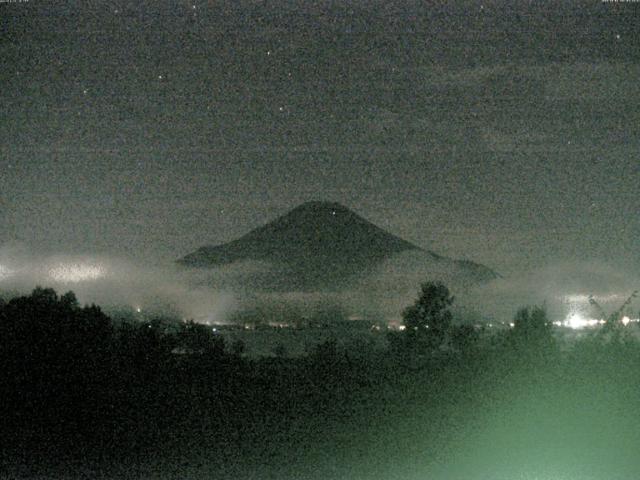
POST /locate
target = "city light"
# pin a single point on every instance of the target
(576, 321)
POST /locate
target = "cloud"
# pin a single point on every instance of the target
(561, 287)
(113, 282)
(215, 295)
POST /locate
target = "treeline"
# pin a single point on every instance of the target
(156, 399)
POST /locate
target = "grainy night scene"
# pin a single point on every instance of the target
(309, 240)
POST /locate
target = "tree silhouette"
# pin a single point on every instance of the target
(238, 347)
(199, 339)
(532, 330)
(465, 338)
(429, 318)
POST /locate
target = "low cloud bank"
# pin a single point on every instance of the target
(116, 283)
(227, 294)
(563, 289)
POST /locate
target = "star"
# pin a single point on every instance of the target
(617, 36)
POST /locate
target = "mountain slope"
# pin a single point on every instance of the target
(316, 245)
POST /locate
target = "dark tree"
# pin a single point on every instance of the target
(429, 318)
(199, 339)
(280, 351)
(532, 323)
(69, 300)
(238, 347)
(532, 331)
(465, 338)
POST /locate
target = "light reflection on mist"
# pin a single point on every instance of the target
(214, 296)
(5, 272)
(76, 272)
(563, 290)
(116, 283)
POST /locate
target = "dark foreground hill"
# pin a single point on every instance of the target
(320, 245)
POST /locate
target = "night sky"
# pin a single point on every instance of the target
(505, 134)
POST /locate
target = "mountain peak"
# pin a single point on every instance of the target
(323, 215)
(321, 206)
(316, 240)
(315, 245)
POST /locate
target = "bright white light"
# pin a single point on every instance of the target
(575, 321)
(625, 320)
(76, 272)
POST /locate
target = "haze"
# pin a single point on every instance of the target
(505, 134)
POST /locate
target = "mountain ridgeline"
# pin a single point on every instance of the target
(318, 245)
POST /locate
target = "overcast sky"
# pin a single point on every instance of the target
(503, 132)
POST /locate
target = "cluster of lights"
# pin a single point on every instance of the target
(76, 272)
(575, 321)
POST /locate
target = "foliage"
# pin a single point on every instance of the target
(429, 318)
(532, 332)
(158, 393)
(465, 338)
(238, 347)
(196, 338)
(532, 323)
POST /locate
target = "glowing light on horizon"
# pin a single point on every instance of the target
(76, 272)
(576, 321)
